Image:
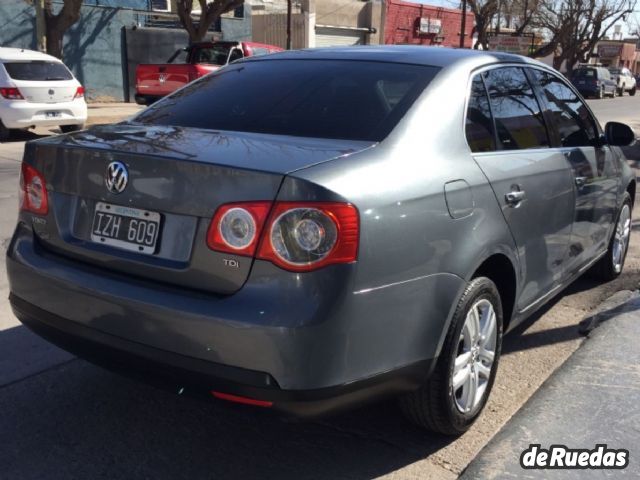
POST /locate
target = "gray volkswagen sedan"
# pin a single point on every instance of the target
(314, 229)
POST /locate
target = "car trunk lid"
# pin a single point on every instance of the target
(179, 175)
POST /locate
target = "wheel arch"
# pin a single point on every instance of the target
(500, 270)
(631, 190)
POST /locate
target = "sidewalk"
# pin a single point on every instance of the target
(593, 398)
(111, 112)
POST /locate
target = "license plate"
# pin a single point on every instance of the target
(124, 227)
(51, 114)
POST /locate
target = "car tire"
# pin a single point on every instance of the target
(71, 128)
(611, 264)
(621, 91)
(632, 92)
(5, 133)
(440, 406)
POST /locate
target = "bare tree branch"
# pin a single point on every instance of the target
(210, 11)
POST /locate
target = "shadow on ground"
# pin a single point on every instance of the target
(76, 420)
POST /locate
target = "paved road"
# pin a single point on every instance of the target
(62, 417)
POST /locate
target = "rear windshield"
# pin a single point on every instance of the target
(38, 70)
(585, 72)
(615, 71)
(353, 100)
(215, 55)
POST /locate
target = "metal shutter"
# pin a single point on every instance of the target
(330, 37)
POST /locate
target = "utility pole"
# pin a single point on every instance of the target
(463, 23)
(289, 8)
(41, 28)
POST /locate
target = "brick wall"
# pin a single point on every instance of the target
(402, 21)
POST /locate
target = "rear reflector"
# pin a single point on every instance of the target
(11, 93)
(244, 400)
(33, 191)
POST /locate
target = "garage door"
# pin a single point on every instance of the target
(330, 37)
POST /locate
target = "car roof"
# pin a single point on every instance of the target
(20, 54)
(413, 54)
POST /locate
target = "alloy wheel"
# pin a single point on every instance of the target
(621, 238)
(475, 358)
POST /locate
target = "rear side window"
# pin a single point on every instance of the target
(585, 73)
(575, 125)
(353, 100)
(479, 125)
(517, 115)
(38, 71)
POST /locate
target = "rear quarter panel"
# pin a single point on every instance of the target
(408, 236)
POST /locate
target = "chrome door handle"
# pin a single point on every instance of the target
(580, 181)
(515, 197)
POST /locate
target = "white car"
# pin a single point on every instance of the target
(38, 90)
(624, 79)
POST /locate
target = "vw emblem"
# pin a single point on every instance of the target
(117, 177)
(51, 92)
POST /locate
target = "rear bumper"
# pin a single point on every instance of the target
(23, 114)
(283, 337)
(192, 376)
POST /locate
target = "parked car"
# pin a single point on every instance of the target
(625, 81)
(592, 81)
(154, 81)
(38, 90)
(315, 229)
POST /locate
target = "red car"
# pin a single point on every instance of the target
(154, 81)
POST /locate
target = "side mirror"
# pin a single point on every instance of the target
(619, 134)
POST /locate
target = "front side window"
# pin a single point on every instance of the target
(338, 99)
(479, 125)
(38, 71)
(575, 125)
(517, 115)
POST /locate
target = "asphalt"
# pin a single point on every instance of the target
(591, 399)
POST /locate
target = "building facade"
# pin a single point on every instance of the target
(419, 24)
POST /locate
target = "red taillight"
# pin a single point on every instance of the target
(236, 227)
(79, 93)
(11, 93)
(244, 400)
(304, 236)
(33, 191)
(297, 236)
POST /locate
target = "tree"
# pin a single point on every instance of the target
(484, 12)
(210, 11)
(575, 27)
(517, 15)
(56, 25)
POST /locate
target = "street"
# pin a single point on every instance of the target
(65, 418)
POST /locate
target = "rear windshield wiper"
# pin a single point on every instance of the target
(56, 78)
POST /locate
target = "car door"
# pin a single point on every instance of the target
(595, 177)
(532, 182)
